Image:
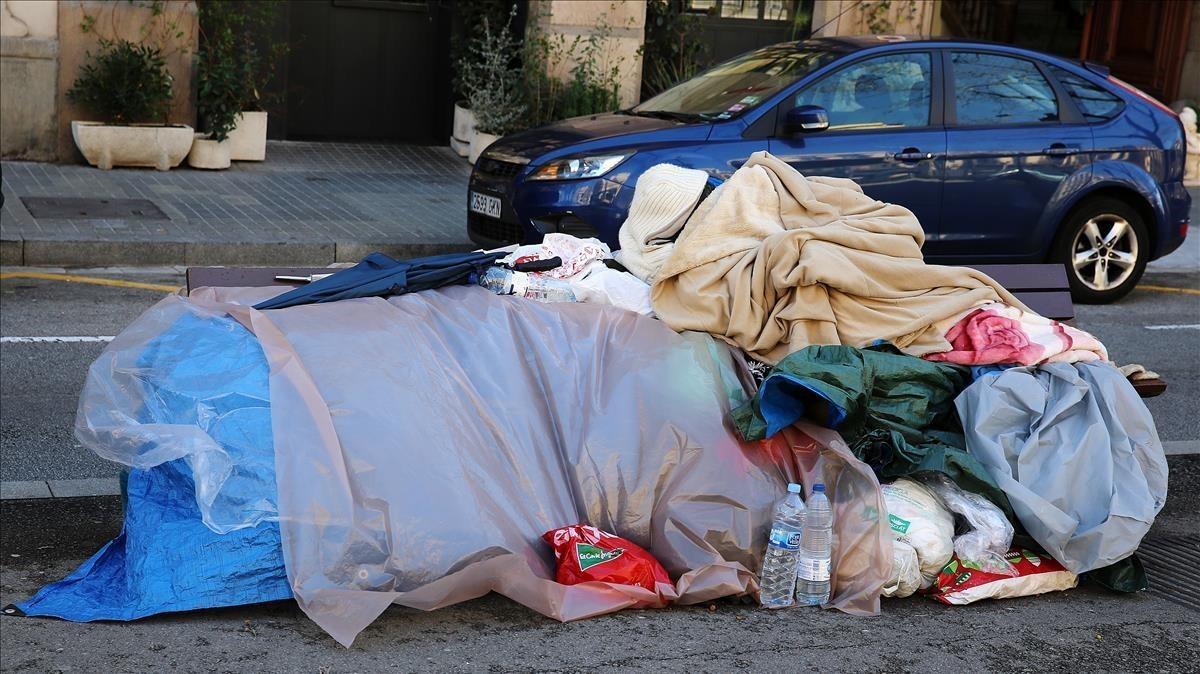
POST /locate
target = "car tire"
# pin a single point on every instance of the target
(1105, 246)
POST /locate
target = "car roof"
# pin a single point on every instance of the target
(851, 43)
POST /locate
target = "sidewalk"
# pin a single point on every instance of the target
(309, 204)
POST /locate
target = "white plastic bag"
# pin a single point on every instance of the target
(602, 285)
(987, 543)
(917, 518)
(906, 571)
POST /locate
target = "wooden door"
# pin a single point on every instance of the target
(1141, 41)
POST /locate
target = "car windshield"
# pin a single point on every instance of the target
(732, 88)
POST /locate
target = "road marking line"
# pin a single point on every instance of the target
(56, 340)
(1193, 326)
(1169, 289)
(91, 280)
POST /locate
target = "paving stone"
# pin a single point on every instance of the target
(324, 201)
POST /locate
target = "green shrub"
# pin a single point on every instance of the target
(673, 50)
(237, 50)
(592, 87)
(220, 85)
(491, 78)
(125, 83)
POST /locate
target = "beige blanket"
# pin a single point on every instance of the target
(773, 261)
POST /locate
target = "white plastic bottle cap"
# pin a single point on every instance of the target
(795, 488)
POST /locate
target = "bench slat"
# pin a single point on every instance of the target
(246, 277)
(1051, 304)
(1017, 277)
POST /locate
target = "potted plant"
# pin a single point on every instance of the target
(491, 78)
(128, 88)
(218, 100)
(233, 32)
(471, 17)
(464, 128)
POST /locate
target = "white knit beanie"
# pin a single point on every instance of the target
(663, 199)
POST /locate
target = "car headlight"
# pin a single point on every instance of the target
(579, 167)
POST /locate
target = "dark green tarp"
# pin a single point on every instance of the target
(895, 411)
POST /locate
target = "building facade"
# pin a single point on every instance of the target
(382, 70)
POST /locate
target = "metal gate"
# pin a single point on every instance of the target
(368, 70)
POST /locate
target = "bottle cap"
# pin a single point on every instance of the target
(819, 487)
(794, 488)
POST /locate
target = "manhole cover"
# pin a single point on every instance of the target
(76, 208)
(1171, 567)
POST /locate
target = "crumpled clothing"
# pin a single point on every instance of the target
(664, 197)
(1076, 451)
(577, 255)
(895, 411)
(773, 261)
(1001, 334)
(620, 289)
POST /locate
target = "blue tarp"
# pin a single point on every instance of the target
(166, 558)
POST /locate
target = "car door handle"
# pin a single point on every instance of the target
(912, 154)
(1059, 150)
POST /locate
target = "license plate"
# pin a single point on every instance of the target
(486, 205)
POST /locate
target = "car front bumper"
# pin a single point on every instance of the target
(531, 209)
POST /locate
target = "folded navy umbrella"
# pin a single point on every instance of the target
(378, 275)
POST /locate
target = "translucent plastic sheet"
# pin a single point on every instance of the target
(177, 384)
(424, 443)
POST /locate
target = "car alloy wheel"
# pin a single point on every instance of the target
(1104, 253)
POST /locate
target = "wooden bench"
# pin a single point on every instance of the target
(1042, 287)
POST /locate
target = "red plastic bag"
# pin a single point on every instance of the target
(963, 583)
(585, 553)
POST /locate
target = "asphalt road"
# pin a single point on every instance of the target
(42, 540)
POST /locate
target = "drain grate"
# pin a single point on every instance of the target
(77, 208)
(1173, 568)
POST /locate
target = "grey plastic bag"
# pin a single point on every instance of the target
(1077, 453)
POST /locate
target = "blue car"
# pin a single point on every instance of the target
(1004, 154)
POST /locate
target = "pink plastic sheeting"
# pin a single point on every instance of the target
(424, 443)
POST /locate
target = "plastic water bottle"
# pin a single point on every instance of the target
(508, 282)
(812, 575)
(777, 582)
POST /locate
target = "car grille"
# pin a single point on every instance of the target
(493, 229)
(497, 168)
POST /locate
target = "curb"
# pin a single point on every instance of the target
(13, 490)
(54, 253)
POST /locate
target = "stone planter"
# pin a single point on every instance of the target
(209, 154)
(464, 129)
(248, 140)
(105, 146)
(479, 143)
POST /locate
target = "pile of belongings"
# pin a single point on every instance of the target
(395, 434)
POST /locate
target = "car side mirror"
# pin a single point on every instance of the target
(806, 119)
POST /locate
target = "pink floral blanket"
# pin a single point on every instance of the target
(997, 333)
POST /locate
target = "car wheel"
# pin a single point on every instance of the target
(1105, 247)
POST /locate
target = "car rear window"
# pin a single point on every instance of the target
(992, 89)
(1096, 104)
